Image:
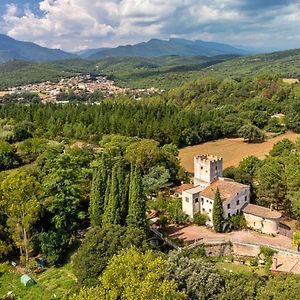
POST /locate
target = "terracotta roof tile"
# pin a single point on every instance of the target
(183, 187)
(228, 188)
(261, 211)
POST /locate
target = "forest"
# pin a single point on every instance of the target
(85, 174)
(196, 112)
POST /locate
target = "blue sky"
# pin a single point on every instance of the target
(79, 24)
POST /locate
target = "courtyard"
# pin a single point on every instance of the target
(192, 233)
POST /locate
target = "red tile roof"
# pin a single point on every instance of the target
(261, 211)
(228, 189)
(183, 187)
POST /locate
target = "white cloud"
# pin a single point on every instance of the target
(77, 24)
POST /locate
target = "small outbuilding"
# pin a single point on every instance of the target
(27, 281)
(262, 219)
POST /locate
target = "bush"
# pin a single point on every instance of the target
(254, 262)
(200, 219)
(175, 211)
(236, 222)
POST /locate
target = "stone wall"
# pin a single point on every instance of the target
(218, 249)
(240, 249)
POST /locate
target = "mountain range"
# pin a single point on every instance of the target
(11, 49)
(156, 48)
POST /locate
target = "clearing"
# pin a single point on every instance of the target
(232, 150)
(53, 283)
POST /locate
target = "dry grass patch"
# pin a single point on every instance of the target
(3, 93)
(232, 150)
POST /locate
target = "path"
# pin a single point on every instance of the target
(192, 233)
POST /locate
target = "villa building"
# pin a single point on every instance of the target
(208, 178)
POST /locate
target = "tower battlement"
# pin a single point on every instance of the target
(208, 157)
(207, 169)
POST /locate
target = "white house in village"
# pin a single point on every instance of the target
(199, 197)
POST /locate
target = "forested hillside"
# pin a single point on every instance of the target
(162, 72)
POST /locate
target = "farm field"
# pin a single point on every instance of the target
(232, 150)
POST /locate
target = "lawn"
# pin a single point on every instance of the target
(53, 283)
(225, 267)
(232, 150)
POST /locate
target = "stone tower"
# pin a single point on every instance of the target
(207, 169)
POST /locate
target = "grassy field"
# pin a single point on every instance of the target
(54, 283)
(232, 150)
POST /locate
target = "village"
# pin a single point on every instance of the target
(89, 83)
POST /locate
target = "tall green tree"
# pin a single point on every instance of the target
(97, 196)
(20, 195)
(134, 275)
(251, 134)
(112, 213)
(99, 245)
(218, 212)
(198, 278)
(136, 203)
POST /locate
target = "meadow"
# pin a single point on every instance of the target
(233, 150)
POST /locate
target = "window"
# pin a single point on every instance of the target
(203, 209)
(187, 199)
(202, 199)
(201, 168)
(237, 202)
(207, 201)
(210, 210)
(216, 168)
(246, 198)
(196, 200)
(228, 206)
(229, 215)
(210, 202)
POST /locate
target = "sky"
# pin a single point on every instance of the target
(75, 25)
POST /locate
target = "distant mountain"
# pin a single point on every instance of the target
(180, 47)
(88, 52)
(11, 49)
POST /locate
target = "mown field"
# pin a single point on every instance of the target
(232, 150)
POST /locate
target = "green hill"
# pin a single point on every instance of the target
(163, 72)
(285, 63)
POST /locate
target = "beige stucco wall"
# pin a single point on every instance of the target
(188, 204)
(268, 226)
(235, 207)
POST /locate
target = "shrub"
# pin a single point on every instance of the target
(254, 262)
(236, 222)
(200, 219)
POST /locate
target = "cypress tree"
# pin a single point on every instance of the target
(112, 209)
(123, 182)
(136, 203)
(96, 207)
(218, 213)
